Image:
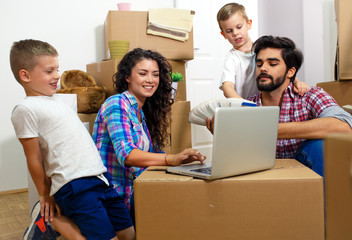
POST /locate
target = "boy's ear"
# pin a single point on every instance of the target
(249, 23)
(223, 34)
(24, 75)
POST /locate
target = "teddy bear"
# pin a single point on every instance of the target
(89, 95)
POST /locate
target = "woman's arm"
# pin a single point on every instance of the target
(139, 158)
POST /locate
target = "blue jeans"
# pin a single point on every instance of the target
(311, 154)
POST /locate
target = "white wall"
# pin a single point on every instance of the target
(75, 29)
(311, 25)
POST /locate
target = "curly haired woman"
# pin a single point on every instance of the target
(131, 126)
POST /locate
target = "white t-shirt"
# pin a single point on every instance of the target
(67, 148)
(239, 68)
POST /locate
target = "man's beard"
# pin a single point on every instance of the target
(273, 85)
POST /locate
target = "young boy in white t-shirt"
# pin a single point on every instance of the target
(62, 159)
(238, 78)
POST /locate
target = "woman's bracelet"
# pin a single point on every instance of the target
(165, 159)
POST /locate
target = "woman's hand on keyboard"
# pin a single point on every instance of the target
(186, 156)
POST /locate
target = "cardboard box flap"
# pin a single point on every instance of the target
(283, 169)
(158, 173)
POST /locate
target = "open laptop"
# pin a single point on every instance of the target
(244, 141)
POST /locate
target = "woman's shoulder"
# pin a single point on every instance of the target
(120, 100)
(116, 98)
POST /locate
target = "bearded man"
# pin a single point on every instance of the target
(304, 120)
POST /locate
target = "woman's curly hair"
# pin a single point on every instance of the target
(157, 107)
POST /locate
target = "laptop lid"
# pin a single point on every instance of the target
(244, 141)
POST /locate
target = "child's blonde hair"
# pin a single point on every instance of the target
(23, 55)
(230, 9)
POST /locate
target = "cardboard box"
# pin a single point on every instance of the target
(338, 186)
(344, 22)
(103, 72)
(89, 118)
(341, 91)
(180, 128)
(132, 26)
(285, 202)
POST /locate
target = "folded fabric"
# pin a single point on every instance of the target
(206, 109)
(172, 23)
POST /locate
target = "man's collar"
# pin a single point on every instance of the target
(290, 90)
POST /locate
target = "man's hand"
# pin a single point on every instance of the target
(210, 124)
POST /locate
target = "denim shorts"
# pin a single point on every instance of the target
(96, 208)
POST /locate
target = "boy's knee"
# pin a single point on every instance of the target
(127, 234)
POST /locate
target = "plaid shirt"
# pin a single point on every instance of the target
(116, 133)
(295, 108)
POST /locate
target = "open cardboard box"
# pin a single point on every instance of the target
(285, 202)
(132, 26)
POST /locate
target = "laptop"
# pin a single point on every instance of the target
(244, 141)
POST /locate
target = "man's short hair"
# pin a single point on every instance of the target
(23, 55)
(292, 56)
(230, 9)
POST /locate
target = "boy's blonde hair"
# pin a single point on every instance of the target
(230, 9)
(24, 53)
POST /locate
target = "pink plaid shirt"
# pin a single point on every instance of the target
(295, 108)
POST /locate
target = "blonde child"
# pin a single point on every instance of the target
(238, 78)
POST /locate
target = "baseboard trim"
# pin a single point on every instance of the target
(14, 191)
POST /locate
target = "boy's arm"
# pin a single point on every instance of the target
(229, 90)
(35, 166)
(299, 87)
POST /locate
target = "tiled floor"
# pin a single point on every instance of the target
(14, 217)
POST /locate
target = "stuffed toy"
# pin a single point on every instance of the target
(89, 95)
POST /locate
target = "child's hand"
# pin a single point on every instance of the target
(48, 207)
(300, 88)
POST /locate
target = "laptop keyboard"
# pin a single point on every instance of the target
(206, 170)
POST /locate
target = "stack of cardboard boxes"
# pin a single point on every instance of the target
(132, 26)
(338, 147)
